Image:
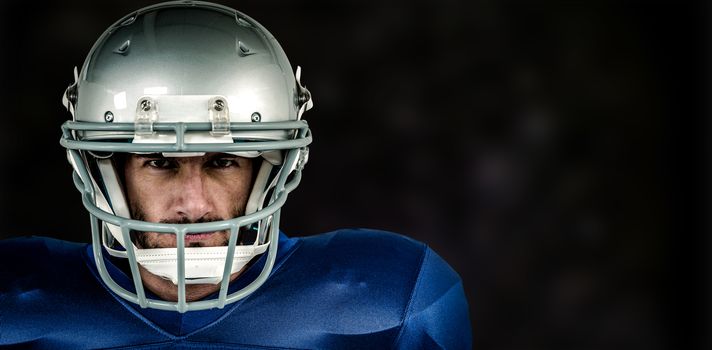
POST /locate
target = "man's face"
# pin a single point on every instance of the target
(184, 190)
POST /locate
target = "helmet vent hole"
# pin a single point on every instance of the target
(124, 48)
(243, 50)
(108, 117)
(128, 21)
(243, 22)
(256, 117)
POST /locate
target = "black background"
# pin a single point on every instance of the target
(554, 152)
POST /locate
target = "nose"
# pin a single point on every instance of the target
(193, 201)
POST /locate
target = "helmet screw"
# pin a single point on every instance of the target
(146, 105)
(109, 117)
(256, 117)
(219, 105)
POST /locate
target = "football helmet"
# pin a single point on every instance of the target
(183, 78)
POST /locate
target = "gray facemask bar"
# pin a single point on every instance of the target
(294, 159)
(179, 128)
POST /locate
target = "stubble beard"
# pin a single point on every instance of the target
(143, 240)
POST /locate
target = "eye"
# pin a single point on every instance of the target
(160, 163)
(223, 162)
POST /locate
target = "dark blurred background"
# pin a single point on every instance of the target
(554, 152)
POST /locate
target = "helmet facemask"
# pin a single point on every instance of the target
(111, 224)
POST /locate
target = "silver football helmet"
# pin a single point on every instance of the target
(185, 78)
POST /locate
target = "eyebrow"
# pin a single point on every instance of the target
(149, 155)
(221, 155)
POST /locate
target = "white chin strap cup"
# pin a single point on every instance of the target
(202, 265)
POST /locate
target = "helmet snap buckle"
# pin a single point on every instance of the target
(146, 115)
(219, 115)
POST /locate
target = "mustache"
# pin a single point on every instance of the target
(185, 220)
(141, 240)
(138, 213)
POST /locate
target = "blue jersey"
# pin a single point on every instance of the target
(349, 289)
